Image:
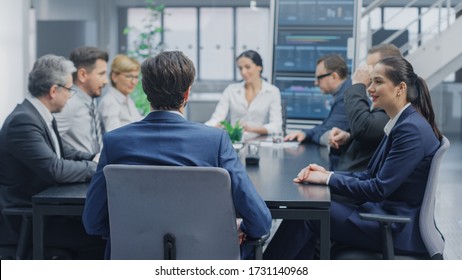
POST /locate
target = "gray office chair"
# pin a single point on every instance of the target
(431, 236)
(171, 212)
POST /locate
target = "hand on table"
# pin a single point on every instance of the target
(313, 173)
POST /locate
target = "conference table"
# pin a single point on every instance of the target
(278, 165)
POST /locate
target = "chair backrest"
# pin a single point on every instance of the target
(431, 236)
(192, 204)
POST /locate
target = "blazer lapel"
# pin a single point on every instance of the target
(30, 108)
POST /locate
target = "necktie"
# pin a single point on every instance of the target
(59, 147)
(98, 141)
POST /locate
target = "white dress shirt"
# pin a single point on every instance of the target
(117, 110)
(265, 109)
(76, 125)
(391, 123)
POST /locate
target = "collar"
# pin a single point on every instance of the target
(165, 114)
(41, 108)
(87, 99)
(120, 97)
(392, 122)
(339, 88)
(265, 86)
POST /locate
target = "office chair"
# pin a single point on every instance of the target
(171, 212)
(22, 249)
(431, 236)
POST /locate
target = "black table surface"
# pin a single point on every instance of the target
(272, 177)
(64, 194)
(279, 164)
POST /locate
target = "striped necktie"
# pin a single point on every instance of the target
(98, 143)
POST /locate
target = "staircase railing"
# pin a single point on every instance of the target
(446, 15)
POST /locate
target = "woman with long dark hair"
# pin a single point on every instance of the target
(394, 182)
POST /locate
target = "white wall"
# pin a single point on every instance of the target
(14, 53)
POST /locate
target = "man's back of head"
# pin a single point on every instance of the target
(381, 51)
(167, 80)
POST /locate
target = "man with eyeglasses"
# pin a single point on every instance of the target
(79, 122)
(33, 157)
(332, 78)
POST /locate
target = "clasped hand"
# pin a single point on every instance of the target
(313, 173)
(338, 137)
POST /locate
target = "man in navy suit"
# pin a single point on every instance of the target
(165, 137)
(33, 158)
(332, 78)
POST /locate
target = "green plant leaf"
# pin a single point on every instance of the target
(234, 132)
(147, 44)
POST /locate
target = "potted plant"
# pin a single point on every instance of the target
(148, 44)
(234, 132)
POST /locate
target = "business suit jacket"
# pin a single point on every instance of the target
(366, 129)
(166, 138)
(336, 117)
(28, 161)
(395, 180)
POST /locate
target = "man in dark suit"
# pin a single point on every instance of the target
(32, 156)
(165, 137)
(358, 144)
(332, 78)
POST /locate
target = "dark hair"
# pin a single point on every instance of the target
(166, 77)
(86, 57)
(49, 70)
(335, 63)
(385, 50)
(397, 70)
(254, 56)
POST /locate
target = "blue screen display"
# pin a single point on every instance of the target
(303, 99)
(298, 51)
(315, 12)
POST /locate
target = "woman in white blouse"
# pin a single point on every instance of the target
(116, 107)
(255, 103)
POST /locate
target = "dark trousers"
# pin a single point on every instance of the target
(68, 233)
(296, 239)
(64, 238)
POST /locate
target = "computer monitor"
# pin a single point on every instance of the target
(303, 99)
(298, 50)
(315, 13)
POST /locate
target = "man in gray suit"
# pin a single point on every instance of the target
(32, 156)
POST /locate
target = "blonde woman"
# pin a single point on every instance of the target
(116, 107)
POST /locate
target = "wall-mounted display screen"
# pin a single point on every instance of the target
(316, 12)
(298, 51)
(307, 30)
(303, 99)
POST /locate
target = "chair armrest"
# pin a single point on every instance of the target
(387, 238)
(257, 244)
(258, 241)
(382, 218)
